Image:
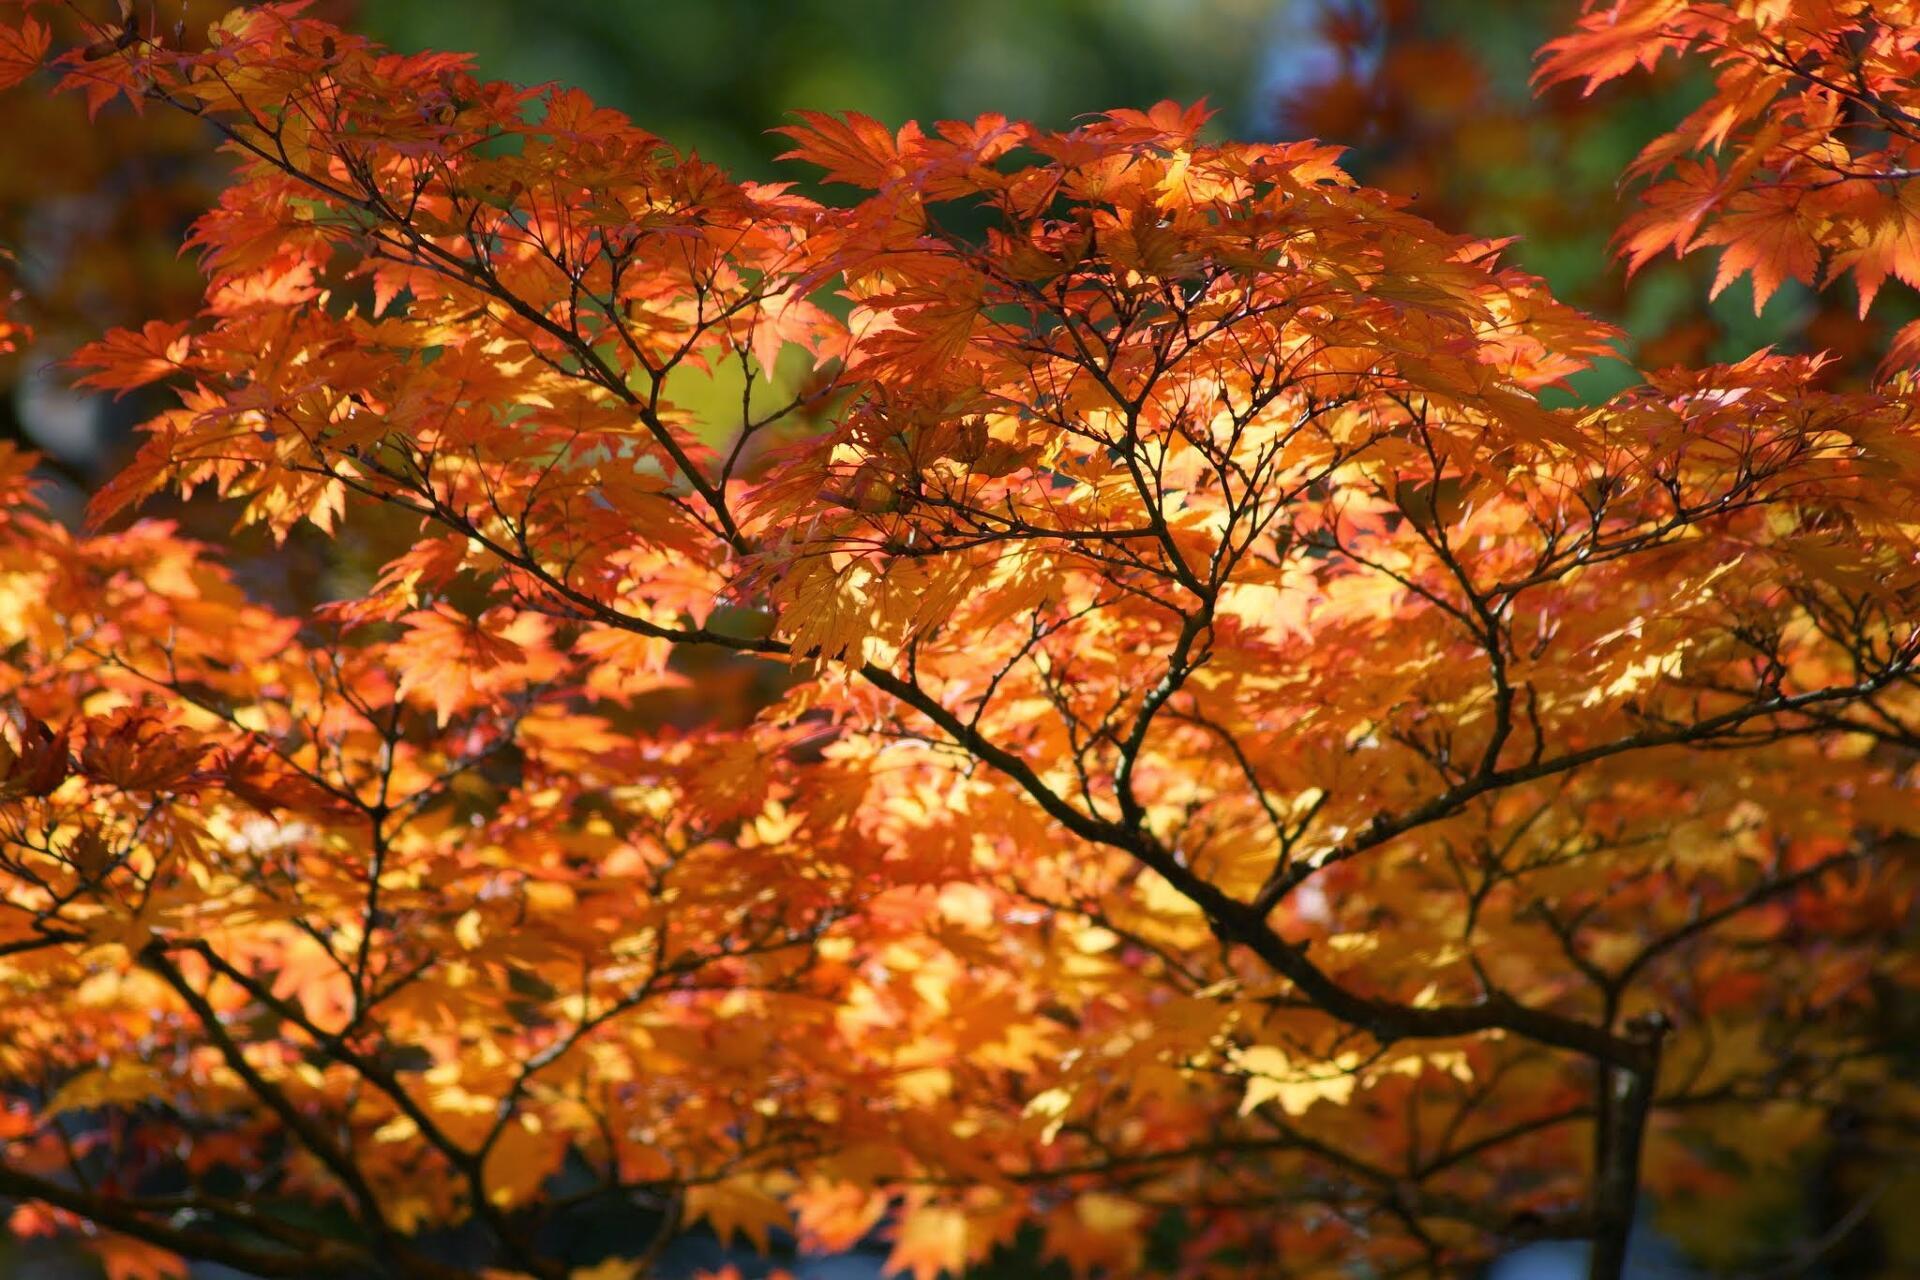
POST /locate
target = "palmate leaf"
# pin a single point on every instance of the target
(1772, 169)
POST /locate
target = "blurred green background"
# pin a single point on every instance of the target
(714, 75)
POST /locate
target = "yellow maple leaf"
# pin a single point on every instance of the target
(737, 1205)
(607, 1269)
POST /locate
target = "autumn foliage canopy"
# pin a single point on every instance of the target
(1099, 682)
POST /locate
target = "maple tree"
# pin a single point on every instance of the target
(1800, 164)
(92, 212)
(1209, 737)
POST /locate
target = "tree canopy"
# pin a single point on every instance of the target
(1096, 683)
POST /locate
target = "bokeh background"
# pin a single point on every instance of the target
(1433, 100)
